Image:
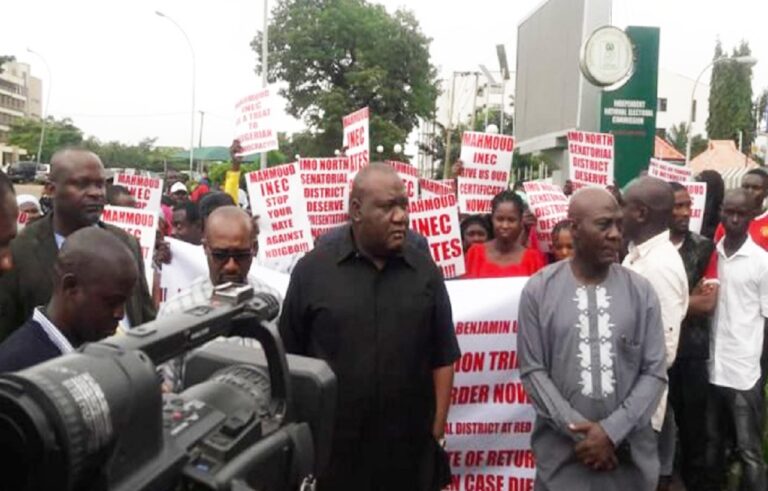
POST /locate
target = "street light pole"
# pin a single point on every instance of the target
(192, 118)
(45, 107)
(264, 65)
(743, 60)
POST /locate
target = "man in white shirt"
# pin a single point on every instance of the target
(735, 399)
(93, 277)
(647, 215)
(229, 244)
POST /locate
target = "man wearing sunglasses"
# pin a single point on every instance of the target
(230, 246)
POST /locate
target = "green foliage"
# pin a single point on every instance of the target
(337, 56)
(678, 137)
(25, 133)
(730, 99)
(218, 171)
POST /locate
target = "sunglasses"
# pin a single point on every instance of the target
(224, 255)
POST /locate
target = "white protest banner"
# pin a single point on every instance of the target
(669, 172)
(21, 221)
(254, 119)
(277, 198)
(146, 190)
(491, 418)
(356, 139)
(325, 189)
(550, 206)
(436, 187)
(141, 224)
(438, 220)
(590, 158)
(698, 193)
(410, 176)
(487, 160)
(188, 263)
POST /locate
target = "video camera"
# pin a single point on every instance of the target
(97, 419)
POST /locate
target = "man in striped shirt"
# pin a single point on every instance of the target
(229, 245)
(93, 277)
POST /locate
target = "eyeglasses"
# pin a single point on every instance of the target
(224, 255)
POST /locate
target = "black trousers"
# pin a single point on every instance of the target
(735, 416)
(688, 393)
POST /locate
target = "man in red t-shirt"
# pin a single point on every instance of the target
(755, 182)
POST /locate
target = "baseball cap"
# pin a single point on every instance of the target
(178, 186)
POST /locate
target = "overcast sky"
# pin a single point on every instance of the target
(123, 73)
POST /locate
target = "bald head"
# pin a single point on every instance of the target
(372, 175)
(94, 275)
(229, 245)
(587, 201)
(648, 208)
(65, 161)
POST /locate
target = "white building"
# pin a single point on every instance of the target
(674, 99)
(20, 96)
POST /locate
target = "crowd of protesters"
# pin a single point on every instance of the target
(642, 344)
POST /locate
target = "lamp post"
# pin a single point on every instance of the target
(192, 119)
(44, 108)
(744, 60)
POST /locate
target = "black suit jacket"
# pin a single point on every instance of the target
(30, 283)
(416, 240)
(27, 346)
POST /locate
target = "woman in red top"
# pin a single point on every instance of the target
(504, 255)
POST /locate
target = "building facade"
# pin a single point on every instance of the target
(674, 99)
(21, 95)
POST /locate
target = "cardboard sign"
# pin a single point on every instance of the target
(550, 206)
(254, 122)
(188, 263)
(698, 193)
(356, 139)
(21, 221)
(590, 158)
(326, 192)
(146, 190)
(487, 159)
(436, 187)
(141, 224)
(277, 198)
(491, 418)
(410, 176)
(669, 172)
(438, 220)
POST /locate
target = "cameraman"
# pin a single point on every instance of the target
(93, 277)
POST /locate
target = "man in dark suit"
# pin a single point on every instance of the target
(78, 183)
(337, 234)
(93, 278)
(9, 213)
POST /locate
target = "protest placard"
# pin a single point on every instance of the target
(437, 219)
(326, 192)
(277, 198)
(487, 160)
(188, 263)
(590, 158)
(491, 418)
(550, 206)
(356, 139)
(410, 176)
(145, 189)
(254, 122)
(21, 221)
(698, 193)
(669, 172)
(429, 188)
(141, 224)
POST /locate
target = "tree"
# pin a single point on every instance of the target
(761, 110)
(337, 56)
(25, 133)
(678, 138)
(730, 99)
(5, 59)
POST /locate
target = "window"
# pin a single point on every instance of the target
(662, 105)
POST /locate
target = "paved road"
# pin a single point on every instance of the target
(33, 189)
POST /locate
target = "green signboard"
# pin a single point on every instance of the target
(629, 113)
